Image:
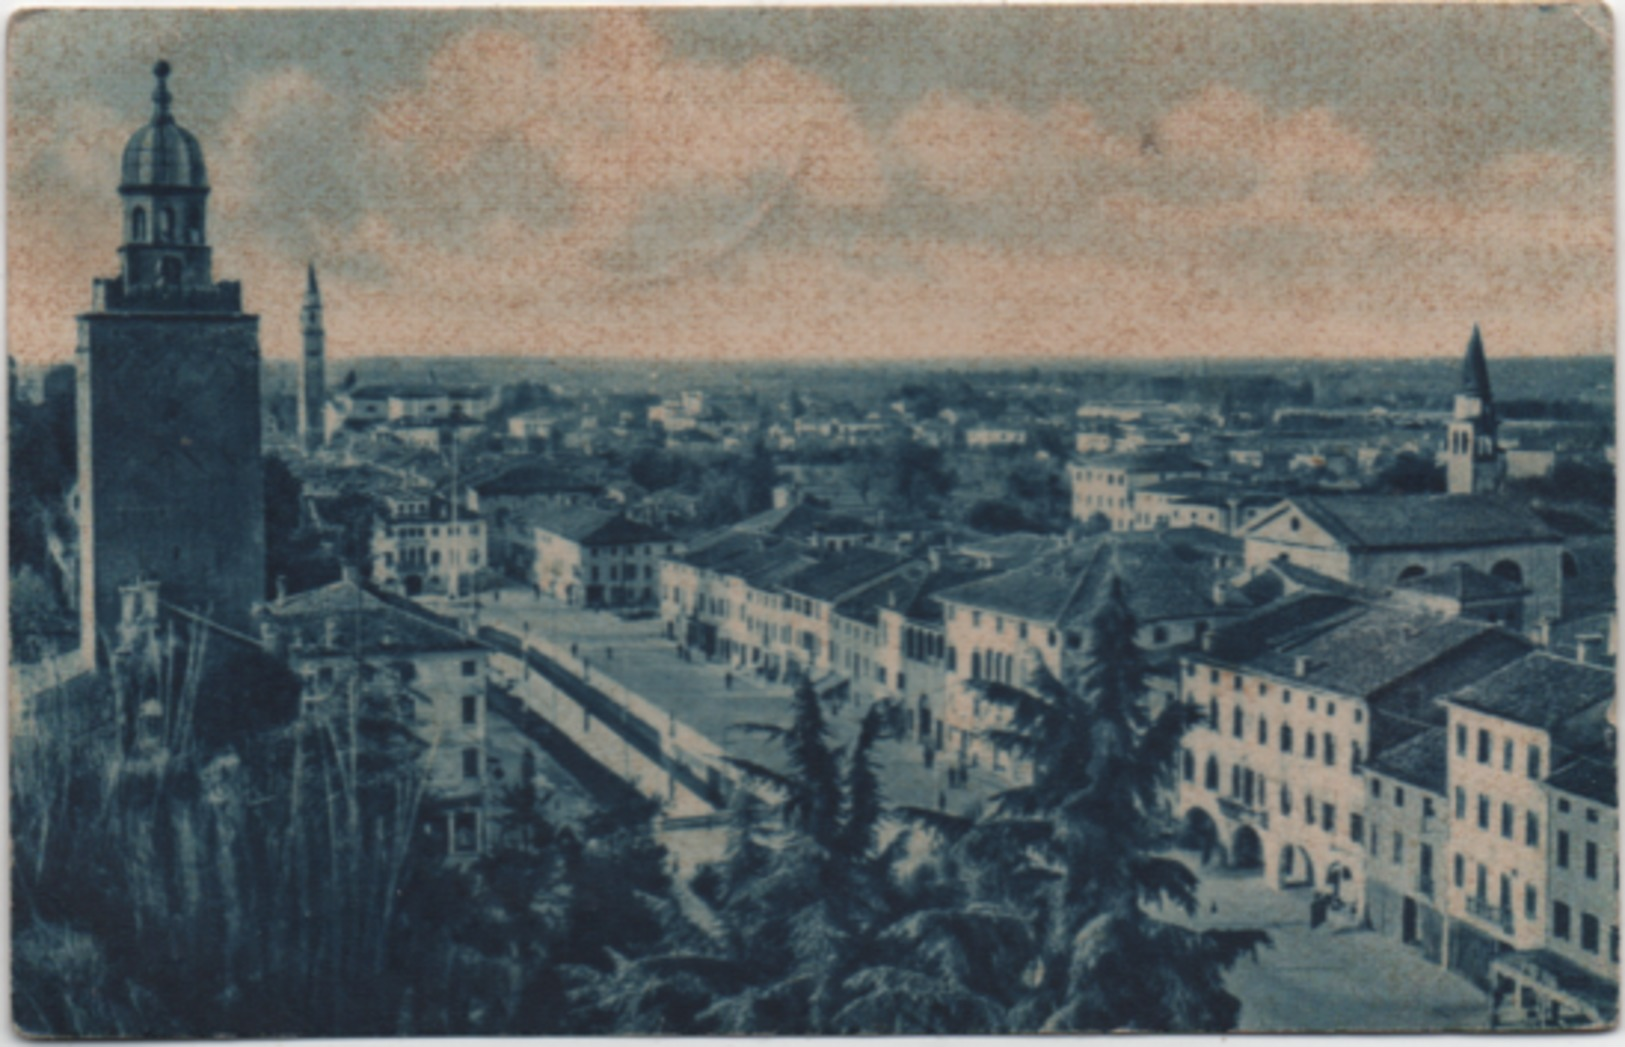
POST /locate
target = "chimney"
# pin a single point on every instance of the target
(1588, 648)
(1301, 666)
(281, 589)
(1208, 642)
(349, 575)
(934, 558)
(1543, 633)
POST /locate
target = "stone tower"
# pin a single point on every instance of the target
(168, 365)
(1474, 460)
(313, 371)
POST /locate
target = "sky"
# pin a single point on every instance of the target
(846, 184)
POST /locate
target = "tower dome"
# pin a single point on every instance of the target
(163, 154)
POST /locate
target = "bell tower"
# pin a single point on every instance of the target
(168, 369)
(165, 189)
(1474, 462)
(313, 369)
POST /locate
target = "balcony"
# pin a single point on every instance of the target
(111, 296)
(1495, 914)
(1242, 812)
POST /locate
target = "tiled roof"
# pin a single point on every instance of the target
(1421, 761)
(837, 575)
(586, 525)
(1538, 690)
(1373, 650)
(1066, 588)
(343, 616)
(1420, 521)
(1463, 583)
(1589, 778)
(1377, 651)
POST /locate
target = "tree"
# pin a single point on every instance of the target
(1411, 474)
(793, 905)
(1090, 825)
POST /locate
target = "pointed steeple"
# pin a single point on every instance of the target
(310, 280)
(1475, 372)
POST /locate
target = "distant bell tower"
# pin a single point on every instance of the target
(1475, 464)
(168, 364)
(313, 372)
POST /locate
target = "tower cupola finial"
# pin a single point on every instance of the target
(160, 94)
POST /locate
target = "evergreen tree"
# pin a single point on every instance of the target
(1090, 826)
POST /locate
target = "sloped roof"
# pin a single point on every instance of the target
(359, 619)
(1538, 690)
(590, 526)
(1066, 587)
(1590, 778)
(1421, 761)
(832, 577)
(1419, 521)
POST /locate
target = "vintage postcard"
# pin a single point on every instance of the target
(853, 520)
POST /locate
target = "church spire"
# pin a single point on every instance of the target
(311, 290)
(1475, 372)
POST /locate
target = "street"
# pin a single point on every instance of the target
(1328, 979)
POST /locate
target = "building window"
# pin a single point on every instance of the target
(1237, 722)
(1461, 803)
(1560, 921)
(1589, 932)
(470, 667)
(1309, 744)
(1357, 828)
(1483, 812)
(1286, 697)
(1399, 848)
(1309, 808)
(1460, 871)
(1376, 788)
(1286, 800)
(1328, 818)
(1461, 739)
(1286, 738)
(1591, 860)
(1534, 761)
(1263, 730)
(1506, 755)
(1562, 848)
(1531, 902)
(471, 709)
(1531, 829)
(465, 832)
(471, 763)
(1483, 746)
(1329, 751)
(1189, 764)
(1506, 821)
(1312, 703)
(1562, 805)
(1210, 774)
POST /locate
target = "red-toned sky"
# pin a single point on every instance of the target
(850, 183)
